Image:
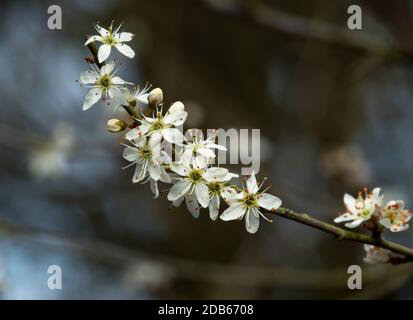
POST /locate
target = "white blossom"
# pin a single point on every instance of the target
(160, 126)
(200, 151)
(394, 216)
(377, 255)
(134, 98)
(103, 83)
(192, 186)
(146, 155)
(109, 39)
(361, 209)
(218, 189)
(248, 202)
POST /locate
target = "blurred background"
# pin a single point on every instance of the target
(334, 109)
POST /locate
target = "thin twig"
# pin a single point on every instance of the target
(342, 234)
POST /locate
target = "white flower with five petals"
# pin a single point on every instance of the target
(192, 186)
(361, 209)
(218, 188)
(248, 203)
(103, 83)
(146, 155)
(160, 126)
(394, 216)
(110, 39)
(200, 151)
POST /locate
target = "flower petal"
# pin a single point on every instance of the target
(214, 208)
(202, 194)
(143, 98)
(345, 217)
(104, 52)
(215, 174)
(376, 197)
(131, 154)
(178, 190)
(165, 176)
(119, 81)
(134, 134)
(107, 68)
(252, 220)
(102, 31)
(386, 223)
(93, 39)
(200, 162)
(154, 188)
(91, 98)
(354, 223)
(187, 156)
(180, 169)
(178, 201)
(252, 185)
(269, 202)
(88, 77)
(154, 170)
(208, 153)
(192, 205)
(217, 146)
(140, 173)
(233, 212)
(114, 92)
(173, 135)
(125, 50)
(176, 118)
(229, 195)
(176, 106)
(350, 203)
(124, 36)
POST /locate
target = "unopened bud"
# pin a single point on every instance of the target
(116, 125)
(155, 97)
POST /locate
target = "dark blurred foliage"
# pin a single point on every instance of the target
(333, 106)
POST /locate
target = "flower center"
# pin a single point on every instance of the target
(145, 152)
(104, 81)
(250, 201)
(365, 213)
(110, 39)
(157, 125)
(214, 188)
(195, 175)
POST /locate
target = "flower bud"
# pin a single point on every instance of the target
(115, 125)
(155, 97)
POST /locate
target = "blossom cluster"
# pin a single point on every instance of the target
(392, 216)
(190, 171)
(369, 210)
(192, 175)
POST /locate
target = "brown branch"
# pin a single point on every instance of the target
(343, 234)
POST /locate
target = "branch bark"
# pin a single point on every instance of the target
(343, 234)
